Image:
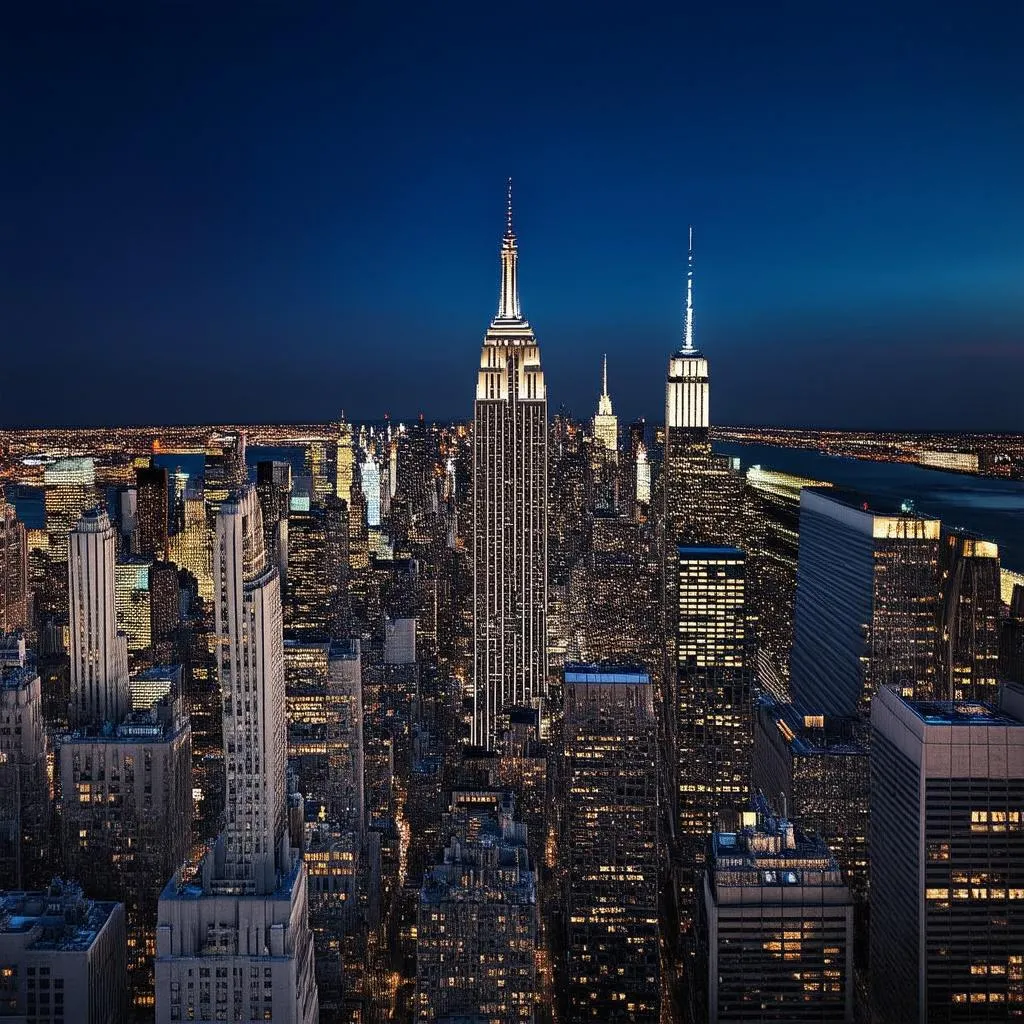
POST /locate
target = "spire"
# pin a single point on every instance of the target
(508, 303)
(688, 332)
(604, 403)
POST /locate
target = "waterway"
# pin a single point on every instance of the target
(992, 508)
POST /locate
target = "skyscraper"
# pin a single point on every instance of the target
(510, 511)
(611, 844)
(714, 690)
(606, 423)
(14, 593)
(970, 607)
(776, 928)
(99, 653)
(151, 512)
(245, 915)
(866, 602)
(947, 859)
(69, 489)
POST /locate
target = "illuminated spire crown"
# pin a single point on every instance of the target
(688, 322)
(604, 403)
(508, 301)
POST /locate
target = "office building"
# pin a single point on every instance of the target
(315, 596)
(323, 695)
(866, 602)
(151, 512)
(816, 770)
(132, 602)
(510, 514)
(777, 926)
(714, 690)
(164, 610)
(99, 651)
(62, 957)
(69, 490)
(611, 844)
(192, 546)
(224, 469)
(772, 543)
(274, 489)
(126, 817)
(477, 925)
(235, 937)
(24, 780)
(971, 609)
(947, 859)
(14, 592)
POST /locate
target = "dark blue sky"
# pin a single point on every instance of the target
(264, 211)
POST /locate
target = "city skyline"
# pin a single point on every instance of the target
(836, 230)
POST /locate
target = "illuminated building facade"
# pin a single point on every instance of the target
(606, 423)
(192, 546)
(132, 601)
(816, 769)
(69, 489)
(99, 652)
(164, 610)
(510, 514)
(62, 957)
(151, 512)
(866, 603)
(947, 859)
(970, 604)
(223, 470)
(714, 689)
(14, 592)
(323, 694)
(772, 542)
(236, 937)
(776, 927)
(24, 780)
(611, 844)
(126, 813)
(477, 925)
(316, 589)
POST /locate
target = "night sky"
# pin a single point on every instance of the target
(261, 212)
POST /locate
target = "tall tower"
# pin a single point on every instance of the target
(251, 663)
(244, 914)
(606, 423)
(14, 592)
(510, 513)
(99, 653)
(687, 440)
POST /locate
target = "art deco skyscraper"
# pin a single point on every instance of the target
(606, 423)
(245, 915)
(99, 653)
(510, 513)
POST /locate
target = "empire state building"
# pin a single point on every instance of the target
(510, 514)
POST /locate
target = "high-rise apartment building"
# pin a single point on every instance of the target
(24, 779)
(947, 859)
(611, 844)
(510, 514)
(99, 652)
(477, 926)
(62, 957)
(776, 927)
(236, 938)
(971, 610)
(14, 592)
(714, 689)
(151, 512)
(866, 603)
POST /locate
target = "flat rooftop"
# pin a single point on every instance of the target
(960, 712)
